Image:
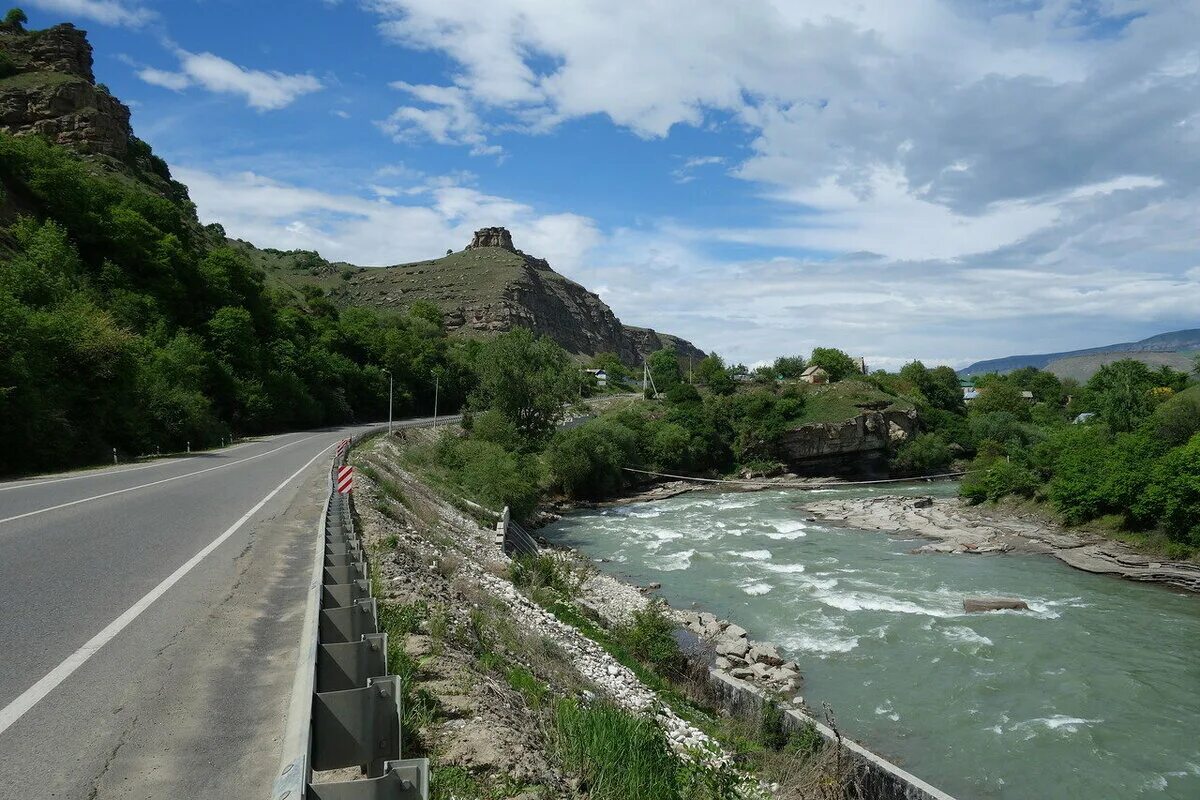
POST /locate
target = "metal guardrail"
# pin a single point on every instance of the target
(345, 707)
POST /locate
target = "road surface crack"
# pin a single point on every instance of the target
(112, 756)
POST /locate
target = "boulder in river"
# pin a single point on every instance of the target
(973, 604)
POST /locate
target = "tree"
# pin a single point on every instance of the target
(836, 362)
(711, 372)
(1173, 495)
(15, 19)
(612, 365)
(664, 369)
(528, 379)
(789, 367)
(1120, 392)
(587, 461)
(1178, 419)
(938, 385)
(1001, 396)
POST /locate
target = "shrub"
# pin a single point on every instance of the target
(926, 453)
(1173, 493)
(650, 637)
(8, 67)
(991, 479)
(587, 461)
(543, 571)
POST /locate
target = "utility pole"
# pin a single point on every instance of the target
(436, 381)
(391, 393)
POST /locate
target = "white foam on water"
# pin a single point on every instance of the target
(859, 601)
(1056, 723)
(726, 505)
(961, 633)
(756, 588)
(755, 555)
(673, 562)
(783, 568)
(788, 529)
(820, 644)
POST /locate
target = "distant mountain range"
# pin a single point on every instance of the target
(1176, 349)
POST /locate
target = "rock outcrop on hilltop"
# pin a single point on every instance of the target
(492, 237)
(54, 93)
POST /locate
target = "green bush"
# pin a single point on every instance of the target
(587, 461)
(8, 67)
(1172, 496)
(991, 479)
(650, 638)
(925, 454)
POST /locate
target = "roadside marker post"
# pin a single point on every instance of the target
(345, 480)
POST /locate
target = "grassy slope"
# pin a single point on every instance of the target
(836, 402)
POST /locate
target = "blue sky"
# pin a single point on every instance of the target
(935, 179)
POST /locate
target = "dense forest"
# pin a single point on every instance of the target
(126, 324)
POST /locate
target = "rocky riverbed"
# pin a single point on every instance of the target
(958, 528)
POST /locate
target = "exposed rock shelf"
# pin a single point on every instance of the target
(958, 528)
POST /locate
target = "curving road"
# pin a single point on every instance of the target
(149, 620)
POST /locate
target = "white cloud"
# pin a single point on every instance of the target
(450, 120)
(175, 81)
(264, 91)
(686, 173)
(978, 174)
(107, 12)
(381, 231)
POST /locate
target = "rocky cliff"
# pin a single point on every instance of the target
(48, 89)
(488, 287)
(855, 446)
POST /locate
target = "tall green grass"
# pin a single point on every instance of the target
(618, 755)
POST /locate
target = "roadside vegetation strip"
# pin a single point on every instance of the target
(157, 483)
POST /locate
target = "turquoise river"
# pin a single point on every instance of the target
(1093, 693)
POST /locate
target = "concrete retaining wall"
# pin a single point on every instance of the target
(879, 778)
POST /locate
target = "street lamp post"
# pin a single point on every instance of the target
(436, 379)
(390, 395)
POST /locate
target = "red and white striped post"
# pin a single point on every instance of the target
(345, 479)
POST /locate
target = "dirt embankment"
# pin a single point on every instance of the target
(956, 527)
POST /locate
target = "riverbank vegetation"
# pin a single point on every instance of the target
(1121, 449)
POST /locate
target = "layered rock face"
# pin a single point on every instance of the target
(856, 446)
(54, 94)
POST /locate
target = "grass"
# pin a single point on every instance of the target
(33, 80)
(837, 402)
(617, 755)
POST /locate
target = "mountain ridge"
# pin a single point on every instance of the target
(1179, 341)
(487, 287)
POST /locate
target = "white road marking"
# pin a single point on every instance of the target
(154, 483)
(34, 694)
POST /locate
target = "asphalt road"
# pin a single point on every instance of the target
(149, 621)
